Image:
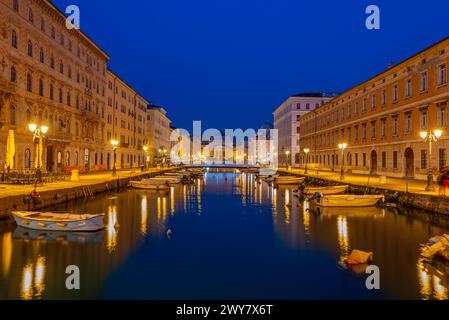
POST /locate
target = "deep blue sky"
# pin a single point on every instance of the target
(230, 63)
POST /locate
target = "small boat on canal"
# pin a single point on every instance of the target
(149, 184)
(50, 221)
(288, 180)
(326, 191)
(436, 246)
(166, 179)
(349, 200)
(22, 233)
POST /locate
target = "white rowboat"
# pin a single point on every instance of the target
(149, 185)
(326, 191)
(287, 180)
(348, 200)
(50, 221)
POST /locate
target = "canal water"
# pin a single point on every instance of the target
(231, 238)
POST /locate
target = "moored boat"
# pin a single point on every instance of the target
(266, 172)
(349, 200)
(51, 221)
(436, 246)
(150, 185)
(326, 191)
(288, 180)
(167, 179)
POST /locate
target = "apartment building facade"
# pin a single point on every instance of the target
(158, 134)
(287, 121)
(381, 120)
(126, 123)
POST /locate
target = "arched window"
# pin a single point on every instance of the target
(29, 82)
(41, 55)
(67, 159)
(30, 16)
(27, 159)
(15, 5)
(59, 157)
(14, 39)
(30, 48)
(75, 159)
(41, 87)
(13, 76)
(12, 115)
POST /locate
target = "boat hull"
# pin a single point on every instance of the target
(288, 181)
(94, 223)
(348, 201)
(148, 186)
(326, 191)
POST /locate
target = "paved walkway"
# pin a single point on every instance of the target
(396, 184)
(7, 190)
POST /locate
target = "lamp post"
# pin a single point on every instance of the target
(306, 152)
(430, 137)
(114, 144)
(145, 149)
(342, 147)
(39, 133)
(287, 154)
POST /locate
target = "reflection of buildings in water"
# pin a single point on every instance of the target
(287, 205)
(306, 217)
(172, 200)
(33, 279)
(433, 280)
(6, 253)
(343, 238)
(111, 229)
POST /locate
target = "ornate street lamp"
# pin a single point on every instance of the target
(430, 137)
(342, 147)
(306, 152)
(114, 144)
(39, 133)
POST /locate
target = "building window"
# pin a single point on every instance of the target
(384, 97)
(61, 67)
(41, 55)
(52, 93)
(384, 127)
(69, 100)
(14, 39)
(442, 75)
(364, 105)
(408, 122)
(408, 88)
(384, 160)
(424, 85)
(13, 75)
(53, 32)
(395, 159)
(356, 158)
(442, 158)
(29, 82)
(373, 102)
(31, 16)
(15, 5)
(52, 61)
(442, 115)
(67, 159)
(356, 108)
(395, 93)
(60, 95)
(364, 131)
(423, 119)
(42, 25)
(364, 159)
(41, 87)
(75, 158)
(423, 159)
(373, 130)
(356, 133)
(30, 48)
(395, 127)
(12, 115)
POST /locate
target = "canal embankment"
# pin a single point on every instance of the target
(19, 197)
(402, 192)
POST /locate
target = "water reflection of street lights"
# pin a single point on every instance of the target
(430, 137)
(38, 134)
(342, 147)
(114, 144)
(287, 154)
(306, 152)
(145, 149)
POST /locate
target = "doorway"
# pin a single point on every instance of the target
(409, 163)
(374, 162)
(50, 161)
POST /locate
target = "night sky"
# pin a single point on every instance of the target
(230, 63)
